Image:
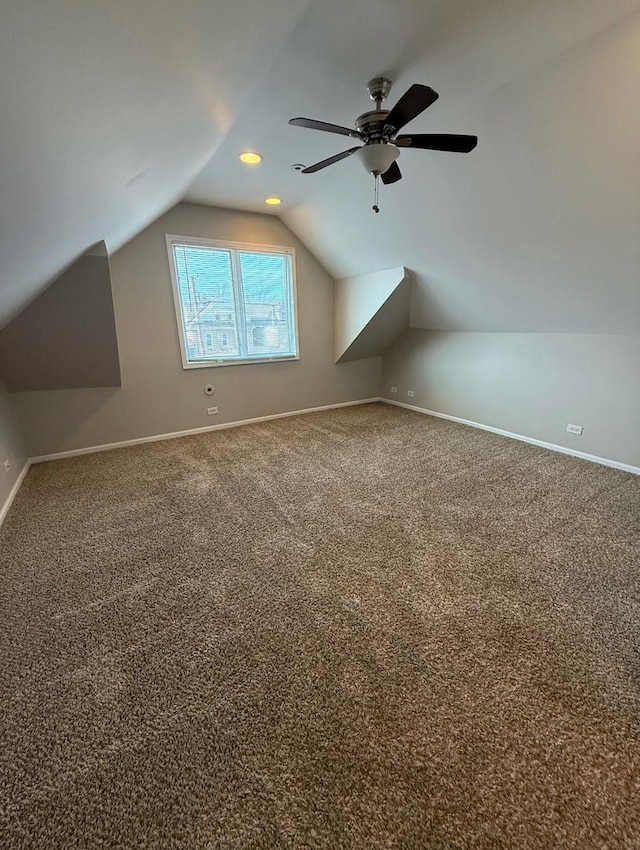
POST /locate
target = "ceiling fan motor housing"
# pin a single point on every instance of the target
(370, 125)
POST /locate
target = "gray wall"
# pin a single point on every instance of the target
(385, 327)
(66, 338)
(11, 446)
(529, 384)
(157, 395)
(358, 302)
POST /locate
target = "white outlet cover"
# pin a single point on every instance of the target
(394, 389)
(212, 411)
(410, 393)
(575, 429)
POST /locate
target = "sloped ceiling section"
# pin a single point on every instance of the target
(371, 312)
(109, 109)
(537, 229)
(112, 111)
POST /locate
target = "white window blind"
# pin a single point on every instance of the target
(234, 303)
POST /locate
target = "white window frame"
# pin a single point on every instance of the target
(278, 250)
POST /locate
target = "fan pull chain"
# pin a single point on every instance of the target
(376, 179)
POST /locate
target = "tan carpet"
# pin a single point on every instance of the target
(363, 628)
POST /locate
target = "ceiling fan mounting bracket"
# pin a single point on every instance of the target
(379, 88)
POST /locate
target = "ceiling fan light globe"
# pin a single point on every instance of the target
(377, 158)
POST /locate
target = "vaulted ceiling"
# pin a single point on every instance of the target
(109, 109)
(113, 111)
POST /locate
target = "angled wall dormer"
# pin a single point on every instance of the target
(66, 338)
(371, 312)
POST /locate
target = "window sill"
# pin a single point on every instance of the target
(209, 364)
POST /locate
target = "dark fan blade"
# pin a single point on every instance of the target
(310, 124)
(415, 100)
(438, 142)
(392, 174)
(323, 164)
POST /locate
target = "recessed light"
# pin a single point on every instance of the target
(250, 157)
(273, 201)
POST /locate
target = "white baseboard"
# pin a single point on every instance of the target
(625, 467)
(4, 510)
(174, 434)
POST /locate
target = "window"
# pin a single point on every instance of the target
(234, 303)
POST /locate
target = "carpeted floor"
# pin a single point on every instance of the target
(363, 628)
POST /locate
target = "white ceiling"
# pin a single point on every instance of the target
(114, 112)
(109, 109)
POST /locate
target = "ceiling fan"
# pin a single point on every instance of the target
(378, 130)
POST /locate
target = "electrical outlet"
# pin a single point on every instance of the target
(574, 429)
(394, 389)
(410, 393)
(7, 464)
(212, 411)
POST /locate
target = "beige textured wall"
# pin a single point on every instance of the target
(530, 384)
(157, 395)
(11, 446)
